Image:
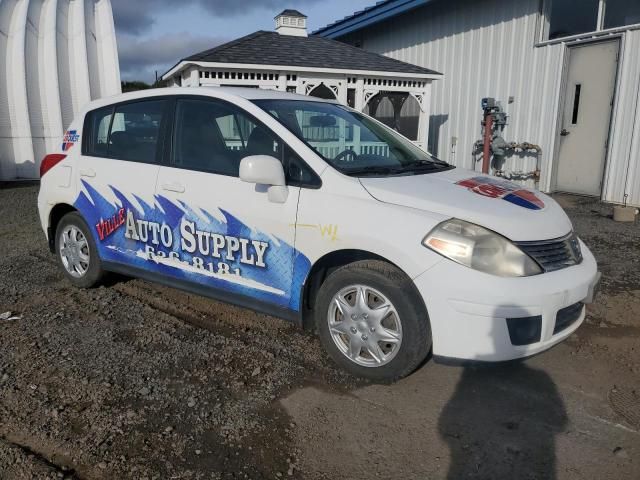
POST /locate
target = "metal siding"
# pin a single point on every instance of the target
(623, 169)
(487, 49)
(34, 54)
(92, 49)
(7, 165)
(45, 72)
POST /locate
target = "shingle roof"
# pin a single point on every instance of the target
(271, 48)
(289, 12)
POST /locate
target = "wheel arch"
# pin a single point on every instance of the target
(322, 268)
(56, 214)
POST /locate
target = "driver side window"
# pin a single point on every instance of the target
(213, 136)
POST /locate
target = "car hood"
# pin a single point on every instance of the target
(518, 213)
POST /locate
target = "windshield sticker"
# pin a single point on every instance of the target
(191, 244)
(509, 191)
(70, 138)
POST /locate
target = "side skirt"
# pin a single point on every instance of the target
(213, 293)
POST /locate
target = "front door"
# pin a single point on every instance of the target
(584, 134)
(227, 234)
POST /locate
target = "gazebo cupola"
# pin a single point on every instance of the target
(291, 22)
(395, 92)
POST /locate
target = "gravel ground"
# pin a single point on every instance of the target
(134, 380)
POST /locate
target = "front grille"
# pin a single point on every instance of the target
(567, 316)
(555, 254)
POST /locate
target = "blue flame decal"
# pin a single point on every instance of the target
(279, 282)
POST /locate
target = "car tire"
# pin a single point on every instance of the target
(390, 341)
(76, 251)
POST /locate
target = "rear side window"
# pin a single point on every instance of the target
(126, 132)
(135, 130)
(98, 123)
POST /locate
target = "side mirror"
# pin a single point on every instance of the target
(265, 170)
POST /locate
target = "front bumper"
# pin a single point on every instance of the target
(468, 310)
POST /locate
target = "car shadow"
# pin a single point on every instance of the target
(502, 421)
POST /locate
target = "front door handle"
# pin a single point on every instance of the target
(173, 187)
(564, 132)
(89, 172)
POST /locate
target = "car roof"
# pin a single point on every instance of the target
(226, 93)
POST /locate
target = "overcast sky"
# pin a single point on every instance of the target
(155, 34)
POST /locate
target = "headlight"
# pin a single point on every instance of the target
(480, 249)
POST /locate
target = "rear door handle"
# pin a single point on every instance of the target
(173, 187)
(89, 172)
(564, 132)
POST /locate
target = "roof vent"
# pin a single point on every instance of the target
(291, 22)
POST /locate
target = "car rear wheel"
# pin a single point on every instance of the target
(76, 251)
(372, 321)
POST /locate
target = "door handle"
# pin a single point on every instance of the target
(564, 132)
(89, 172)
(173, 187)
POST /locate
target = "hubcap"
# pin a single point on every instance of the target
(74, 251)
(364, 325)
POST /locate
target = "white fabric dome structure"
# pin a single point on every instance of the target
(55, 56)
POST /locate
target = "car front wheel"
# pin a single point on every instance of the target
(372, 321)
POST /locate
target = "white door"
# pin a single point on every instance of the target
(590, 87)
(118, 172)
(229, 235)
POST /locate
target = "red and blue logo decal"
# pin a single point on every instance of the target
(70, 138)
(509, 191)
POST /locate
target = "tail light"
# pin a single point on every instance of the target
(50, 161)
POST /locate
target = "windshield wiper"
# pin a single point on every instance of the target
(425, 165)
(373, 170)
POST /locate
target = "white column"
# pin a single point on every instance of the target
(342, 91)
(300, 87)
(194, 77)
(358, 104)
(423, 120)
(359, 100)
(282, 81)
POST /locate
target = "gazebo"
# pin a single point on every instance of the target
(394, 92)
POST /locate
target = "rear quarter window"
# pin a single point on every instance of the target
(97, 126)
(129, 131)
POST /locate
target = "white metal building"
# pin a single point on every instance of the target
(55, 56)
(396, 92)
(566, 71)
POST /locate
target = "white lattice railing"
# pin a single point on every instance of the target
(332, 149)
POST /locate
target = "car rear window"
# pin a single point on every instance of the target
(128, 131)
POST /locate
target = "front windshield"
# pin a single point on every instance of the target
(350, 141)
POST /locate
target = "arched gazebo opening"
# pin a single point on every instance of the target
(398, 110)
(322, 91)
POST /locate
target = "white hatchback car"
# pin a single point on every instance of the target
(308, 210)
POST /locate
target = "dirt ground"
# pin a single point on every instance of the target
(134, 380)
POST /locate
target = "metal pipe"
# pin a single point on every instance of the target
(488, 135)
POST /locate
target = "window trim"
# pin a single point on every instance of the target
(170, 133)
(544, 15)
(87, 130)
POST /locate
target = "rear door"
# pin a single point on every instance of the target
(117, 172)
(227, 235)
